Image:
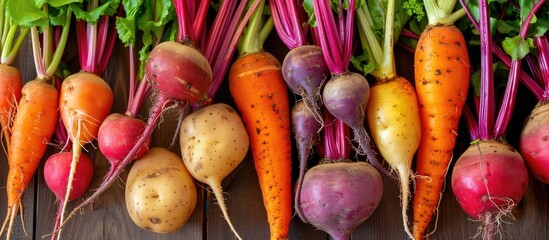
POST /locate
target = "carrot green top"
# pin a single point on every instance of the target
(256, 31)
(440, 12)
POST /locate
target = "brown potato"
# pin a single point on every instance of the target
(160, 191)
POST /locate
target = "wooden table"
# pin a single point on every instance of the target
(109, 218)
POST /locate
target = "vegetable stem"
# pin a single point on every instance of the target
(543, 55)
(486, 108)
(369, 40)
(440, 12)
(508, 103)
(250, 40)
(61, 46)
(387, 67)
(37, 55)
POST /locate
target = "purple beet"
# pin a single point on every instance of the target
(305, 70)
(337, 197)
(306, 129)
(346, 96)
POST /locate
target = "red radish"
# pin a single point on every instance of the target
(56, 175)
(117, 136)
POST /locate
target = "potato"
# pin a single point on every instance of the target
(160, 192)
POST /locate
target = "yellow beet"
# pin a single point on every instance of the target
(393, 118)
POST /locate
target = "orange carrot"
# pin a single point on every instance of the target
(260, 94)
(33, 127)
(10, 92)
(441, 79)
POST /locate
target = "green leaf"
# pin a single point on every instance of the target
(58, 16)
(517, 47)
(126, 30)
(414, 8)
(56, 3)
(26, 13)
(507, 27)
(107, 7)
(363, 63)
(309, 9)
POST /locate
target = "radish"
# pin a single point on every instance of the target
(56, 176)
(490, 177)
(306, 129)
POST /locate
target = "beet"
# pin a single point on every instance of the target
(337, 197)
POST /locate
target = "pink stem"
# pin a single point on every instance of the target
(327, 18)
(508, 103)
(220, 66)
(408, 33)
(200, 20)
(348, 37)
(217, 30)
(140, 96)
(81, 40)
(533, 64)
(329, 151)
(543, 55)
(132, 89)
(530, 83)
(103, 27)
(322, 40)
(486, 111)
(471, 122)
(183, 22)
(277, 11)
(109, 44)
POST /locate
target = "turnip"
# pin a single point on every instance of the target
(345, 94)
(213, 142)
(305, 71)
(337, 197)
(160, 192)
(306, 128)
(303, 68)
(56, 176)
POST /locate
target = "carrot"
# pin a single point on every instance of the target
(11, 84)
(441, 78)
(32, 128)
(36, 116)
(261, 95)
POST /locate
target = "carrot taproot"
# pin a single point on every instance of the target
(441, 79)
(11, 84)
(32, 128)
(260, 93)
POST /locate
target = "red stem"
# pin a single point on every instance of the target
(506, 110)
(132, 89)
(486, 110)
(220, 66)
(183, 21)
(140, 96)
(348, 37)
(329, 145)
(287, 23)
(408, 33)
(218, 29)
(471, 122)
(533, 64)
(200, 23)
(543, 55)
(530, 83)
(81, 40)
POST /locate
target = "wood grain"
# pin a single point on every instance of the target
(109, 219)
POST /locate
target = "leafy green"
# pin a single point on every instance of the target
(26, 13)
(414, 8)
(517, 47)
(363, 63)
(106, 7)
(148, 16)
